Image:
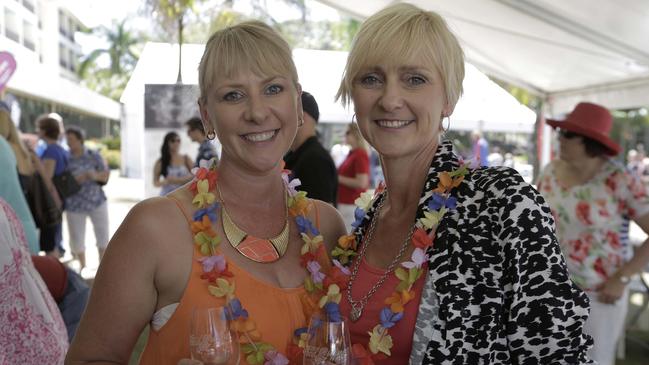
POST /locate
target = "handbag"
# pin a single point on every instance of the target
(66, 184)
(41, 203)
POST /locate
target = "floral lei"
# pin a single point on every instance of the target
(327, 278)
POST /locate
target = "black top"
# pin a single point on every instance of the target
(312, 164)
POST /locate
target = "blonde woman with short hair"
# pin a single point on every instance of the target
(234, 232)
(454, 266)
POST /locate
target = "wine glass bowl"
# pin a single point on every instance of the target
(211, 340)
(328, 341)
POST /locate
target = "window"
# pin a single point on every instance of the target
(29, 36)
(12, 27)
(29, 5)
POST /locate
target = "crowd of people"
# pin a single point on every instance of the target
(446, 261)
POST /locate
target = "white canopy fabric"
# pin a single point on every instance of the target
(564, 51)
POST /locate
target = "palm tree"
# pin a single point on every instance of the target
(170, 14)
(120, 50)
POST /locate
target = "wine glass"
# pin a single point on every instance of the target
(211, 339)
(329, 341)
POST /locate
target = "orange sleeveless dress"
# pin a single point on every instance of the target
(277, 312)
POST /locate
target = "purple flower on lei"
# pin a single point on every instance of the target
(438, 201)
(210, 211)
(341, 267)
(316, 275)
(275, 358)
(291, 184)
(304, 225)
(388, 318)
(359, 214)
(213, 262)
(332, 310)
(236, 310)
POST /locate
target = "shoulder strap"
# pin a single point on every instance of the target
(180, 206)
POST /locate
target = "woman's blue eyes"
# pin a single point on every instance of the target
(413, 80)
(274, 89)
(237, 95)
(232, 96)
(416, 80)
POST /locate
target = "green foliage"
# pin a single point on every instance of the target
(112, 143)
(324, 35)
(122, 52)
(113, 158)
(630, 128)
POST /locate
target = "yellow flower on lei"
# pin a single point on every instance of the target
(364, 201)
(430, 220)
(223, 288)
(310, 244)
(333, 295)
(380, 340)
(298, 204)
(203, 196)
(206, 242)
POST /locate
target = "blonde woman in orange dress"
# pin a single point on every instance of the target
(233, 236)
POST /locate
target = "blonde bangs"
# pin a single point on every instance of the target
(249, 46)
(407, 34)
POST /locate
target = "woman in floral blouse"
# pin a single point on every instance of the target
(592, 198)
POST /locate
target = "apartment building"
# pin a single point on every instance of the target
(41, 36)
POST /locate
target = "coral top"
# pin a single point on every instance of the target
(277, 312)
(403, 331)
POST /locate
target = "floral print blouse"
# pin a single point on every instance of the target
(590, 220)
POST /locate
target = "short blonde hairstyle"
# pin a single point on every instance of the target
(251, 45)
(400, 33)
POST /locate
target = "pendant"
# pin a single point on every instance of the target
(355, 313)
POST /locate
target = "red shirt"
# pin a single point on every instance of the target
(402, 332)
(357, 162)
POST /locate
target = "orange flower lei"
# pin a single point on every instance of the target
(326, 279)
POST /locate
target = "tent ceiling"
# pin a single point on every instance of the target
(561, 50)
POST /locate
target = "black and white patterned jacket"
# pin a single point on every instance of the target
(497, 290)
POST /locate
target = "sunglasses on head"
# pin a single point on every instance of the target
(567, 134)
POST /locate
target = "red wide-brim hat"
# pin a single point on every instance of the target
(592, 121)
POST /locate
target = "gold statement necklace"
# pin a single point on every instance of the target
(263, 250)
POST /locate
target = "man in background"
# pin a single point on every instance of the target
(196, 133)
(309, 160)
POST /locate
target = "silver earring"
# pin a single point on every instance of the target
(441, 122)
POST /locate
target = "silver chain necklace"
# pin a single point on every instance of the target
(359, 305)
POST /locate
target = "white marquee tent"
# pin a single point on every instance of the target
(563, 50)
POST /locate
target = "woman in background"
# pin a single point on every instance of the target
(91, 172)
(592, 199)
(55, 161)
(353, 174)
(33, 331)
(17, 169)
(173, 169)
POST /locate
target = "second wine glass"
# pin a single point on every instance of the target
(329, 341)
(211, 340)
